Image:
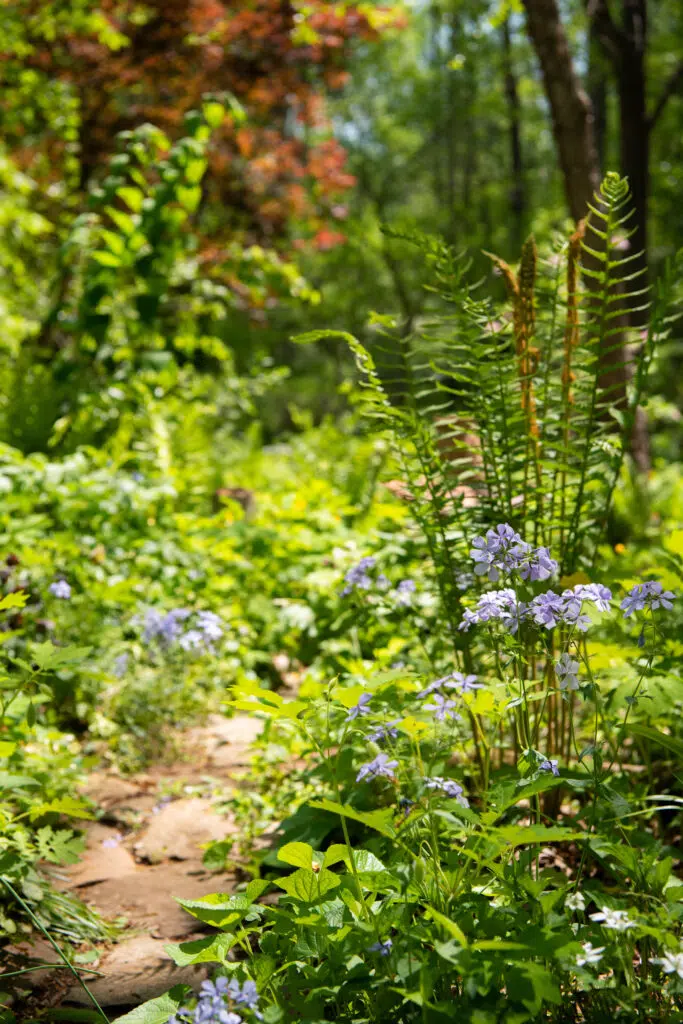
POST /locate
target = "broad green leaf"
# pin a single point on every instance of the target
(8, 781)
(156, 1011)
(378, 821)
(334, 854)
(7, 748)
(212, 949)
(17, 599)
(299, 855)
(219, 909)
(521, 835)
(307, 885)
(47, 656)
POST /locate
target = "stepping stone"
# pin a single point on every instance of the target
(105, 857)
(108, 790)
(230, 739)
(145, 898)
(133, 971)
(179, 829)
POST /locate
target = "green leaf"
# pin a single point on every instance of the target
(213, 949)
(451, 927)
(660, 738)
(299, 855)
(531, 985)
(307, 885)
(46, 656)
(17, 599)
(7, 748)
(8, 781)
(378, 821)
(59, 846)
(521, 835)
(156, 1011)
(219, 909)
(62, 805)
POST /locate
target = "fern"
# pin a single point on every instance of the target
(523, 413)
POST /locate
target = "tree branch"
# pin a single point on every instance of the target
(669, 89)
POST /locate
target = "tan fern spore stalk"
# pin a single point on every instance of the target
(571, 341)
(521, 290)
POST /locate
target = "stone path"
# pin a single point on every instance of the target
(144, 850)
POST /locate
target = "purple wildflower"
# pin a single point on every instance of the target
(462, 683)
(357, 577)
(361, 708)
(381, 947)
(449, 787)
(548, 609)
(549, 765)
(404, 590)
(646, 595)
(378, 767)
(442, 707)
(60, 589)
(211, 625)
(384, 732)
(121, 665)
(567, 673)
(192, 640)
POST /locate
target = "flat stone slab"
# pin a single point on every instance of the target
(145, 897)
(230, 740)
(178, 830)
(105, 858)
(133, 971)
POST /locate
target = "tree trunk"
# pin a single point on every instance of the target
(570, 107)
(517, 190)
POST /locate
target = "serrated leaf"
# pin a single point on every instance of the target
(62, 805)
(17, 599)
(47, 656)
(59, 846)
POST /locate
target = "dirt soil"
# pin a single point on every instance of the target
(145, 849)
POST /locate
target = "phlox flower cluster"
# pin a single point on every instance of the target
(217, 1001)
(502, 552)
(649, 595)
(449, 787)
(567, 671)
(547, 610)
(359, 578)
(60, 589)
(168, 629)
(379, 767)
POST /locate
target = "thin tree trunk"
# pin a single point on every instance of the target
(517, 190)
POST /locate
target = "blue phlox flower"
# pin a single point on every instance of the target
(600, 595)
(248, 996)
(549, 765)
(404, 592)
(121, 665)
(646, 595)
(462, 683)
(217, 989)
(379, 767)
(60, 589)
(468, 620)
(358, 577)
(533, 563)
(449, 787)
(497, 604)
(548, 609)
(384, 732)
(192, 640)
(567, 671)
(211, 625)
(361, 708)
(443, 708)
(383, 947)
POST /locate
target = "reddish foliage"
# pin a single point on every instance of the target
(282, 163)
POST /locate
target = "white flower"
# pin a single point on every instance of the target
(590, 955)
(615, 919)
(575, 901)
(671, 963)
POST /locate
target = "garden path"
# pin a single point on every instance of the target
(144, 849)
